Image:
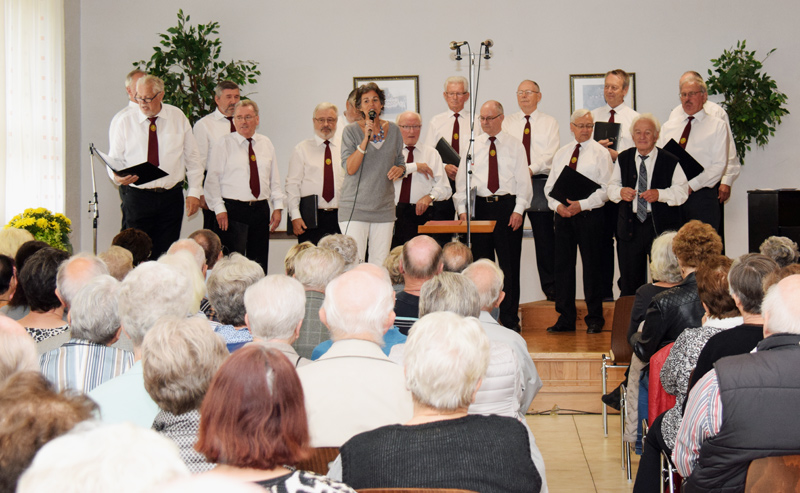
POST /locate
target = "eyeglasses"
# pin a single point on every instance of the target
(410, 127)
(244, 118)
(526, 93)
(687, 95)
(487, 119)
(455, 94)
(146, 100)
(329, 121)
(583, 126)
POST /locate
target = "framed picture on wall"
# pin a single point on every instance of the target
(586, 91)
(402, 93)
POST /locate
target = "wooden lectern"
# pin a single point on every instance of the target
(456, 226)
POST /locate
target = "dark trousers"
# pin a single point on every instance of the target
(159, 213)
(407, 222)
(444, 210)
(507, 244)
(210, 220)
(580, 232)
(703, 205)
(633, 254)
(545, 243)
(327, 224)
(648, 477)
(610, 212)
(248, 230)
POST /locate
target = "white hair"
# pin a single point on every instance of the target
(488, 279)
(95, 314)
(325, 106)
(446, 356)
(17, 353)
(186, 263)
(344, 245)
(579, 113)
(75, 272)
(123, 458)
(315, 267)
(457, 79)
(12, 238)
(408, 113)
(663, 262)
(649, 117)
(227, 284)
(118, 260)
(449, 292)
(150, 291)
(780, 307)
(191, 246)
(358, 303)
(275, 306)
(780, 249)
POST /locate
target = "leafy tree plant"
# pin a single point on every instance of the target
(752, 100)
(188, 61)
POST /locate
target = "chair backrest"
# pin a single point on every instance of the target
(774, 475)
(620, 347)
(413, 490)
(319, 461)
(658, 400)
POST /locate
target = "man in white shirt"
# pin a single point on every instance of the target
(159, 134)
(242, 180)
(130, 88)
(617, 83)
(350, 113)
(706, 138)
(211, 128)
(538, 133)
(315, 169)
(500, 176)
(649, 186)
(578, 225)
(420, 193)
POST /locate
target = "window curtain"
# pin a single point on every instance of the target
(32, 159)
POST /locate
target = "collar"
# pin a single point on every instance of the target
(723, 323)
(699, 116)
(617, 109)
(354, 347)
(320, 142)
(651, 156)
(218, 115)
(498, 137)
(486, 317)
(240, 139)
(160, 114)
(778, 341)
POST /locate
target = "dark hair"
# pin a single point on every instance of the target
(210, 243)
(747, 279)
(135, 241)
(38, 278)
(712, 286)
(6, 272)
(621, 74)
(695, 242)
(364, 90)
(23, 254)
(33, 414)
(253, 414)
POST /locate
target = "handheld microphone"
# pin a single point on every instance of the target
(454, 45)
(372, 116)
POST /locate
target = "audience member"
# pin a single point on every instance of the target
(187, 263)
(456, 256)
(210, 243)
(291, 255)
(345, 246)
(194, 249)
(118, 260)
(422, 259)
(8, 279)
(17, 350)
(135, 241)
(179, 358)
(368, 388)
(17, 306)
(87, 360)
(74, 273)
(226, 288)
(253, 424)
(392, 265)
(780, 249)
(38, 279)
(13, 238)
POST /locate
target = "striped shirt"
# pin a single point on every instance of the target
(701, 421)
(83, 365)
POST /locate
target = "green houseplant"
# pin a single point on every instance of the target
(752, 100)
(188, 61)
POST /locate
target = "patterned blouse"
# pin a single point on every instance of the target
(41, 334)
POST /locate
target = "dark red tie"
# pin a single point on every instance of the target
(685, 134)
(255, 183)
(573, 162)
(152, 142)
(233, 127)
(493, 183)
(526, 138)
(611, 118)
(327, 182)
(454, 140)
(405, 189)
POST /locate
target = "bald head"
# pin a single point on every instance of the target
(422, 259)
(358, 305)
(488, 279)
(374, 270)
(75, 272)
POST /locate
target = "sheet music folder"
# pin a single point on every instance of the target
(448, 154)
(610, 131)
(308, 212)
(572, 185)
(691, 168)
(146, 171)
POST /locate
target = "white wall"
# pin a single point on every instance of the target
(309, 51)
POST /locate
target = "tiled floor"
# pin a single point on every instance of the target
(578, 458)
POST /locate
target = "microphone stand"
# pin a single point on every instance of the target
(93, 204)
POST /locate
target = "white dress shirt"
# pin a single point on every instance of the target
(672, 196)
(229, 172)
(512, 171)
(623, 115)
(708, 145)
(441, 125)
(544, 138)
(713, 109)
(594, 162)
(208, 130)
(306, 174)
(132, 106)
(421, 185)
(177, 150)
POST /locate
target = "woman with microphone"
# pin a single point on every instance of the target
(372, 154)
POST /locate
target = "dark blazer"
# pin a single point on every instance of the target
(665, 217)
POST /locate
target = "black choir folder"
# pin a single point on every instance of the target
(146, 171)
(689, 165)
(610, 131)
(573, 186)
(308, 212)
(448, 154)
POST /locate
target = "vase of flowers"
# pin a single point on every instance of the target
(53, 229)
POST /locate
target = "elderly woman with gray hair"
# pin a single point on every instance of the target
(443, 446)
(780, 249)
(226, 287)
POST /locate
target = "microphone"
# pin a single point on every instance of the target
(488, 43)
(454, 45)
(372, 116)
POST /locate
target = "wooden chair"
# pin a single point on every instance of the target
(319, 461)
(773, 475)
(413, 490)
(620, 351)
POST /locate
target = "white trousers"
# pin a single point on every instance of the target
(376, 236)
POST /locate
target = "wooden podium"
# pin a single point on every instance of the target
(456, 226)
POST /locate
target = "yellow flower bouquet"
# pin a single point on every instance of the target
(53, 229)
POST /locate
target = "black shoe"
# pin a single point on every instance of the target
(560, 328)
(550, 296)
(611, 399)
(594, 329)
